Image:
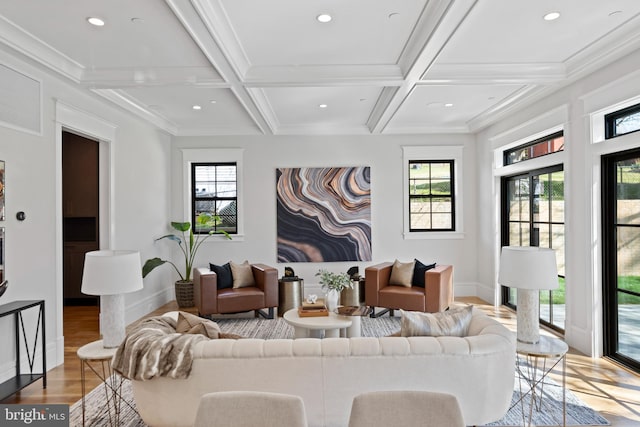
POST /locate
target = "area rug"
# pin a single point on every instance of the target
(550, 413)
(578, 413)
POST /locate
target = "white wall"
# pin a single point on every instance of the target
(570, 107)
(262, 155)
(139, 206)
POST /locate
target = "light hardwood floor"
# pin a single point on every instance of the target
(606, 387)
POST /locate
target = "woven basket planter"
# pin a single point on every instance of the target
(184, 293)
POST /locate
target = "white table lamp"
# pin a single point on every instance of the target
(529, 269)
(111, 274)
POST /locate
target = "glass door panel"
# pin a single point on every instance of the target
(621, 264)
(533, 205)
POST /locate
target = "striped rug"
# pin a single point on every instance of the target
(279, 328)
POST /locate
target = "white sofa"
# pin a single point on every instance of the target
(328, 374)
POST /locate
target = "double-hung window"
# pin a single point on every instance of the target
(431, 195)
(214, 191)
(212, 180)
(432, 192)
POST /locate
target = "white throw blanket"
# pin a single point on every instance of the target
(154, 349)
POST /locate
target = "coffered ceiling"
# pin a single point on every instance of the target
(270, 67)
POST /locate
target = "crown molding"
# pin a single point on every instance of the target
(604, 51)
(156, 76)
(129, 104)
(507, 73)
(30, 46)
(421, 128)
(217, 131)
(509, 105)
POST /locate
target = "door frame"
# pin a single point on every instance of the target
(504, 225)
(609, 258)
(71, 119)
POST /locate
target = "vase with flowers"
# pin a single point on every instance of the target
(333, 284)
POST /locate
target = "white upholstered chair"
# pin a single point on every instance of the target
(406, 408)
(250, 408)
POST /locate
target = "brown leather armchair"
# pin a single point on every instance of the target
(437, 294)
(211, 300)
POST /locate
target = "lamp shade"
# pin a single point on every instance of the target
(110, 272)
(528, 267)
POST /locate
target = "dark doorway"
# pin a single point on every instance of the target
(80, 195)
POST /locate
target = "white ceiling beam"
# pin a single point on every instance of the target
(438, 22)
(198, 23)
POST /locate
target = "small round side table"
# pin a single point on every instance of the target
(533, 369)
(96, 354)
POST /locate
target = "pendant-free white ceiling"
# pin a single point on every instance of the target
(265, 67)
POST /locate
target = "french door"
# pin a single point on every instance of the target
(533, 215)
(621, 256)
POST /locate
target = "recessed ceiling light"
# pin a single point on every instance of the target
(213, 101)
(322, 106)
(551, 16)
(95, 21)
(197, 107)
(324, 18)
(448, 104)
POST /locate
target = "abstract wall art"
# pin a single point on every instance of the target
(324, 214)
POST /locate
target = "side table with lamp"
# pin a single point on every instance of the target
(531, 269)
(109, 274)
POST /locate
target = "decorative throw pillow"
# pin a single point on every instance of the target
(225, 279)
(401, 273)
(454, 322)
(191, 324)
(418, 273)
(242, 275)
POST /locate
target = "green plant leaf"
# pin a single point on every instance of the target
(150, 264)
(171, 237)
(181, 226)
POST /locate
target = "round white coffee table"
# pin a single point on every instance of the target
(332, 325)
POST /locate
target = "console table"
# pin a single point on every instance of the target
(20, 380)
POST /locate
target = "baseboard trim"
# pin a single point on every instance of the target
(148, 304)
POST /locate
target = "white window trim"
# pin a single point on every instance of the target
(214, 155)
(435, 152)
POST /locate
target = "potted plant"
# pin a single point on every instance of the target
(333, 284)
(189, 245)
